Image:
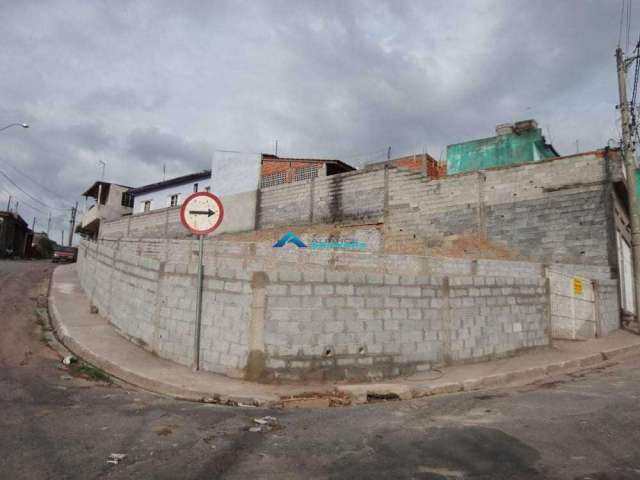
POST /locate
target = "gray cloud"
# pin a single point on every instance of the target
(139, 85)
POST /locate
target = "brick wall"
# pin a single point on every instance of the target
(417, 164)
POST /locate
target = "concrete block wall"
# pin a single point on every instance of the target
(550, 211)
(153, 304)
(348, 197)
(315, 321)
(393, 324)
(163, 222)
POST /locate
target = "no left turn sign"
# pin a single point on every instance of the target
(201, 213)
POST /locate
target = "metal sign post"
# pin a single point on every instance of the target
(196, 339)
(201, 213)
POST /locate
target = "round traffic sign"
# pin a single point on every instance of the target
(201, 213)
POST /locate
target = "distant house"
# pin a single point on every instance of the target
(419, 162)
(279, 170)
(15, 235)
(169, 193)
(111, 202)
(513, 143)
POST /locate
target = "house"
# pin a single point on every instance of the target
(276, 170)
(417, 162)
(15, 235)
(514, 143)
(111, 202)
(169, 193)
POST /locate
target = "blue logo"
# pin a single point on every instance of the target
(291, 237)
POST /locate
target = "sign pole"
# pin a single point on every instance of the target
(201, 213)
(196, 336)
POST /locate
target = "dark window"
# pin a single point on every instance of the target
(174, 200)
(147, 205)
(195, 187)
(127, 200)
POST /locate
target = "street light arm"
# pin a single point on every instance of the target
(23, 125)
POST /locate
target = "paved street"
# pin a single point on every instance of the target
(56, 425)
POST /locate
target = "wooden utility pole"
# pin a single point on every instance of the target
(9, 204)
(629, 153)
(48, 224)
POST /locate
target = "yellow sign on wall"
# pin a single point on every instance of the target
(577, 286)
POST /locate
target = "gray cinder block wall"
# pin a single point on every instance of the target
(321, 314)
(558, 210)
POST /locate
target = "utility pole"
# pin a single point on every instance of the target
(9, 204)
(72, 222)
(17, 203)
(48, 224)
(33, 225)
(628, 153)
(62, 238)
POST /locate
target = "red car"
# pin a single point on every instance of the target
(65, 254)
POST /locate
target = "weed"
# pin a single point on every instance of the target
(94, 373)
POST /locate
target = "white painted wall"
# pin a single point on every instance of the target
(234, 172)
(573, 313)
(235, 177)
(161, 198)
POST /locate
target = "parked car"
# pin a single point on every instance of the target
(65, 254)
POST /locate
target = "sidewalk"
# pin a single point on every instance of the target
(92, 338)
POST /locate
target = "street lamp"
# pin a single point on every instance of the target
(23, 125)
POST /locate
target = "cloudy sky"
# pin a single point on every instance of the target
(142, 84)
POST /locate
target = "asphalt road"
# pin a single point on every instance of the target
(56, 426)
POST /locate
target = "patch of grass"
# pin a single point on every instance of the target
(94, 373)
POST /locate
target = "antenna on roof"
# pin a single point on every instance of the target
(103, 165)
(276, 154)
(164, 172)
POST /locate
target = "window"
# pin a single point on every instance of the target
(147, 205)
(127, 200)
(277, 178)
(305, 173)
(195, 187)
(207, 188)
(174, 200)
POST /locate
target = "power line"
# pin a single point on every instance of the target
(60, 197)
(28, 194)
(23, 202)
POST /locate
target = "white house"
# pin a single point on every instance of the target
(169, 193)
(111, 201)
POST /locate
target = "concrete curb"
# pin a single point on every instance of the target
(145, 383)
(525, 376)
(355, 393)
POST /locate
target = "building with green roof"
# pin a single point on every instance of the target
(515, 143)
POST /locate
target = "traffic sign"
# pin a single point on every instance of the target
(201, 213)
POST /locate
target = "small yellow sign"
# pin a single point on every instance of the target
(577, 286)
